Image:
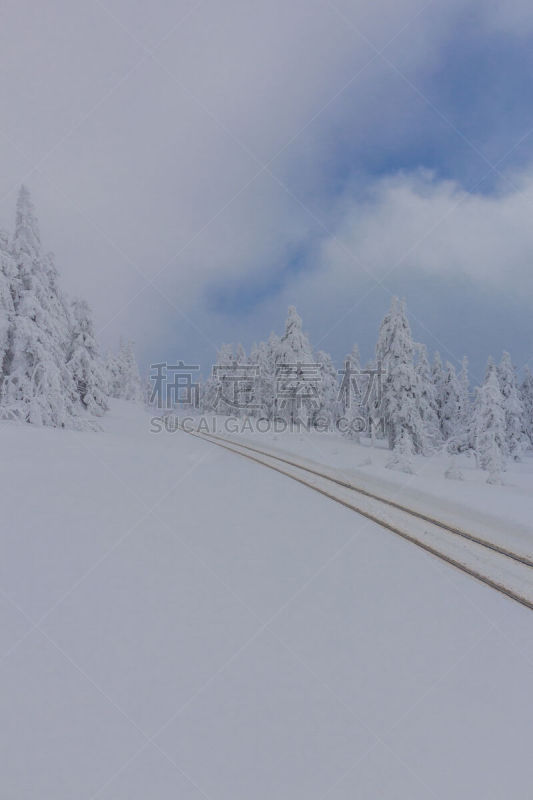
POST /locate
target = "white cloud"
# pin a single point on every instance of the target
(416, 222)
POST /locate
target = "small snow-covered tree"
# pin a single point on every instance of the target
(400, 401)
(517, 439)
(488, 426)
(297, 375)
(84, 363)
(402, 454)
(453, 473)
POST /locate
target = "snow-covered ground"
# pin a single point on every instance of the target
(499, 513)
(177, 621)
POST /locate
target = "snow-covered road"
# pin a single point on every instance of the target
(180, 622)
(489, 560)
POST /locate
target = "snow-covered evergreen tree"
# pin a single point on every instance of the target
(428, 397)
(150, 399)
(488, 426)
(112, 375)
(297, 375)
(517, 439)
(453, 473)
(240, 355)
(402, 454)
(372, 380)
(450, 403)
(400, 401)
(465, 400)
(84, 363)
(526, 395)
(257, 359)
(263, 358)
(243, 383)
(352, 393)
(328, 392)
(217, 396)
(131, 383)
(122, 374)
(437, 374)
(38, 386)
(491, 365)
(7, 308)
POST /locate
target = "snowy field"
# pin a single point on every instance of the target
(179, 622)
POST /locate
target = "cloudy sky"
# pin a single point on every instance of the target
(198, 165)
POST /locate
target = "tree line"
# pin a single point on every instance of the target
(415, 406)
(51, 370)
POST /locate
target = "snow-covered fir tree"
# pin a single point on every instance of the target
(453, 473)
(450, 406)
(258, 360)
(7, 308)
(240, 355)
(150, 398)
(297, 375)
(428, 397)
(217, 393)
(488, 426)
(243, 383)
(371, 400)
(38, 387)
(517, 439)
(263, 359)
(327, 413)
(526, 395)
(351, 395)
(84, 362)
(437, 374)
(112, 375)
(130, 380)
(400, 402)
(402, 454)
(465, 400)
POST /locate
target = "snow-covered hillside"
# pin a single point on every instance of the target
(180, 622)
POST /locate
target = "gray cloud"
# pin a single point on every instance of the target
(151, 124)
